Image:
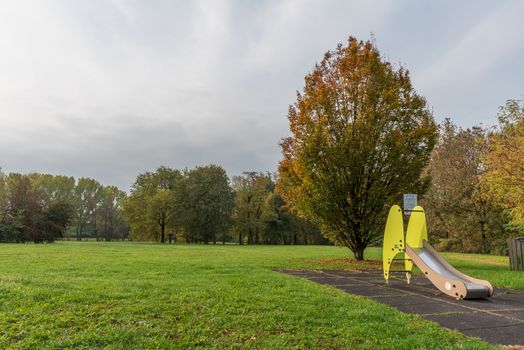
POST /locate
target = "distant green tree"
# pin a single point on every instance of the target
(204, 204)
(27, 216)
(86, 199)
(26, 205)
(278, 222)
(110, 212)
(55, 218)
(251, 191)
(3, 195)
(150, 208)
(281, 226)
(54, 188)
(58, 194)
(360, 137)
(307, 232)
(11, 226)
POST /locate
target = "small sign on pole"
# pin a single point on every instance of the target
(410, 202)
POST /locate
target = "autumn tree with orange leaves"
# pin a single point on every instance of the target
(361, 137)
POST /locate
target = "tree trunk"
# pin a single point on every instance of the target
(359, 253)
(163, 227)
(79, 232)
(484, 238)
(240, 240)
(105, 233)
(110, 230)
(96, 231)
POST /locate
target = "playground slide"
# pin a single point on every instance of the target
(445, 277)
(415, 249)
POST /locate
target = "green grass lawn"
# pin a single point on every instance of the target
(148, 296)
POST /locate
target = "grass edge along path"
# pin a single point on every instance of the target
(144, 296)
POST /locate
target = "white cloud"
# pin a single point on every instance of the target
(112, 88)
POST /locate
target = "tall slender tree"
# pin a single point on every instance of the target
(251, 190)
(86, 202)
(110, 211)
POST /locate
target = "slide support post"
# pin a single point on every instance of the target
(393, 239)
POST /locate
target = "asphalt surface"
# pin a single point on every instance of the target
(497, 320)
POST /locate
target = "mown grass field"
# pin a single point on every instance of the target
(148, 296)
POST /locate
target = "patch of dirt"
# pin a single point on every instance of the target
(349, 261)
(353, 264)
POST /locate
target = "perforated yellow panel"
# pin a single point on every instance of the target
(393, 238)
(417, 232)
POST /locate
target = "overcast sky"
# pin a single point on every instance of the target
(109, 89)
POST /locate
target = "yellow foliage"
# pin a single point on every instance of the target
(505, 161)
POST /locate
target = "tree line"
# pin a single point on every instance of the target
(42, 208)
(201, 205)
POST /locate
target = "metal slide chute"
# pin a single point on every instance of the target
(445, 277)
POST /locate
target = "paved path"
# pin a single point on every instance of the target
(497, 320)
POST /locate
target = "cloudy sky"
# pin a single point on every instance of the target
(109, 89)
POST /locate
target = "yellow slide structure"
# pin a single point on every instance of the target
(416, 250)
